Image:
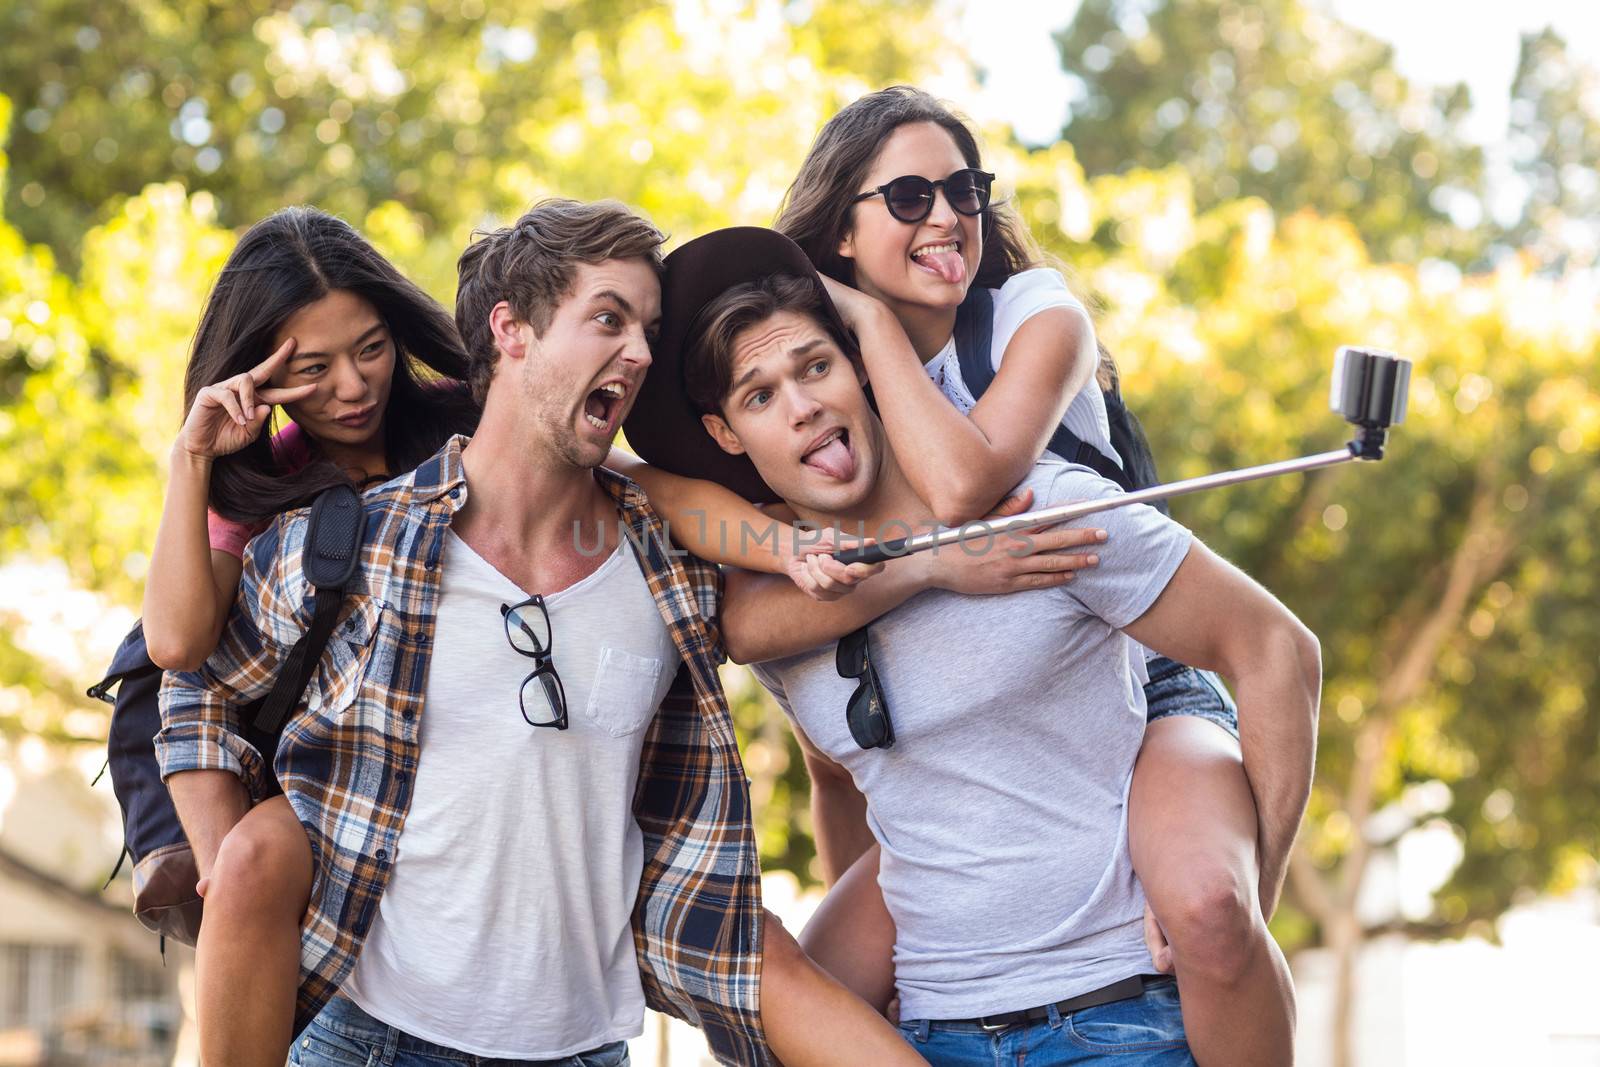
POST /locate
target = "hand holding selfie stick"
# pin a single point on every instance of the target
(1369, 390)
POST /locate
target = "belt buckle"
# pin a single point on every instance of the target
(993, 1028)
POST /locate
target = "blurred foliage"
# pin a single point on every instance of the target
(1555, 149)
(779, 783)
(1452, 585)
(1276, 100)
(459, 110)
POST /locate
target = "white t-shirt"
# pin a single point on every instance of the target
(1022, 297)
(505, 929)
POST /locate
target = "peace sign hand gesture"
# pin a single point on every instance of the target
(230, 414)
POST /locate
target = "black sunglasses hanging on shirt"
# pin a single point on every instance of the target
(867, 712)
(530, 635)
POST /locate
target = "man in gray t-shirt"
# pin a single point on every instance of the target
(1001, 803)
(1001, 807)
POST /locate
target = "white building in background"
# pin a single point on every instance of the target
(82, 984)
(1532, 999)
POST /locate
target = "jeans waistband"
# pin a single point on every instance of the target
(1122, 989)
(346, 1018)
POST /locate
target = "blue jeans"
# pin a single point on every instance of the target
(1176, 689)
(1142, 1031)
(342, 1035)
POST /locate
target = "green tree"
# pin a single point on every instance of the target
(458, 111)
(417, 122)
(1555, 151)
(1280, 101)
(262, 104)
(1452, 585)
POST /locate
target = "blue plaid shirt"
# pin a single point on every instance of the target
(347, 757)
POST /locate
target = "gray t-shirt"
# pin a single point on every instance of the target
(1002, 807)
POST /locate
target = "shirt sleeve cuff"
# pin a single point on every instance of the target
(208, 747)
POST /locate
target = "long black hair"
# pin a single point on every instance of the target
(286, 261)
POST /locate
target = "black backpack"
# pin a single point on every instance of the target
(164, 872)
(974, 335)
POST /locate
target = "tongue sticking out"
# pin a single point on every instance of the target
(833, 459)
(948, 265)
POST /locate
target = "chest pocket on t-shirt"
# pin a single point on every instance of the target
(344, 663)
(623, 698)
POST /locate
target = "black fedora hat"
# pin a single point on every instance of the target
(664, 427)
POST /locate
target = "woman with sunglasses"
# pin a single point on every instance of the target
(308, 316)
(893, 208)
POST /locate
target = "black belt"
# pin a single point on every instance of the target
(1127, 989)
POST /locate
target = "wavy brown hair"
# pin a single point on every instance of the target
(816, 210)
(531, 266)
(285, 262)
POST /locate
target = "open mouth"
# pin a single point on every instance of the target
(603, 405)
(832, 456)
(942, 259)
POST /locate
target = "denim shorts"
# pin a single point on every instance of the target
(1145, 1031)
(1174, 689)
(343, 1035)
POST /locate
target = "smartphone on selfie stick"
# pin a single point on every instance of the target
(1369, 390)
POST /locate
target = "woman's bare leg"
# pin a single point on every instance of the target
(851, 936)
(813, 1021)
(1192, 833)
(247, 960)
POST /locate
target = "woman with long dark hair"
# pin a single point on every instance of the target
(894, 209)
(305, 315)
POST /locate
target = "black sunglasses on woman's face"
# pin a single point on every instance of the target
(910, 198)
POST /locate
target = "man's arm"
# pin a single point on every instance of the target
(209, 804)
(838, 813)
(765, 616)
(1212, 615)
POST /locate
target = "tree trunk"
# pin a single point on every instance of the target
(1418, 638)
(1345, 941)
(663, 1041)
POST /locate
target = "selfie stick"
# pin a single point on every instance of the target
(1369, 390)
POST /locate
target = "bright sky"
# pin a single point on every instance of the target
(1436, 41)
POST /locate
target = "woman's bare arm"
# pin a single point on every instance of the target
(765, 617)
(189, 587)
(714, 523)
(961, 465)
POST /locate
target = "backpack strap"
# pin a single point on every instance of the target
(1127, 437)
(975, 339)
(330, 560)
(974, 335)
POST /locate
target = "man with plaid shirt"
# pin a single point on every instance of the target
(523, 891)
